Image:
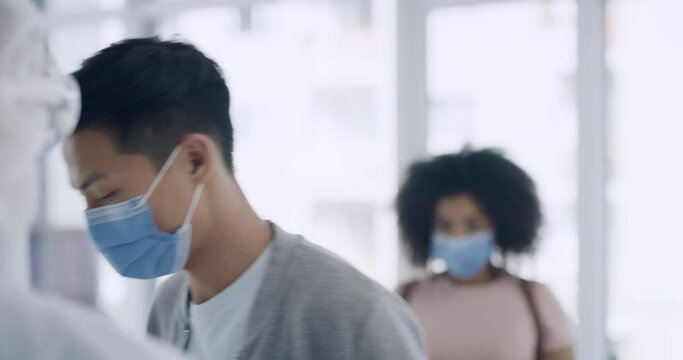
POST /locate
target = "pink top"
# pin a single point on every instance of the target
(489, 321)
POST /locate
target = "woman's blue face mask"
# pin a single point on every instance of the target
(465, 256)
(126, 234)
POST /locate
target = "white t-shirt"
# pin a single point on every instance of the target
(219, 325)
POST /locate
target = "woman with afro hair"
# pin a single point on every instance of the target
(462, 208)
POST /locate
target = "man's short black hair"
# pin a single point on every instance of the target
(505, 191)
(148, 94)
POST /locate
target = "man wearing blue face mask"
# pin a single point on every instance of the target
(153, 156)
(127, 236)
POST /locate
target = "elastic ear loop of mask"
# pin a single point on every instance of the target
(160, 176)
(193, 204)
(195, 197)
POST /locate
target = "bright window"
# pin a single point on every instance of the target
(644, 58)
(502, 75)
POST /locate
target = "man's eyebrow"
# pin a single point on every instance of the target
(92, 178)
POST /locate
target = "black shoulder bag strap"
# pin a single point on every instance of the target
(531, 302)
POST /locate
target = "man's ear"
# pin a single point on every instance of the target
(202, 156)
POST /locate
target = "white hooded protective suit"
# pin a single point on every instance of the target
(37, 106)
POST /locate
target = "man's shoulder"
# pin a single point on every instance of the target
(340, 302)
(329, 284)
(314, 267)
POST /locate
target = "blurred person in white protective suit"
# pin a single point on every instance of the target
(37, 104)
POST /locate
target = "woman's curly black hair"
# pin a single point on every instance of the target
(505, 191)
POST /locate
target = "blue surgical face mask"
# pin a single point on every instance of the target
(465, 256)
(126, 234)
